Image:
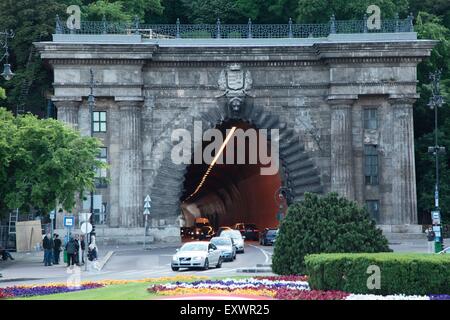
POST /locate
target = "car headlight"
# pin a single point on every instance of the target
(196, 258)
(174, 258)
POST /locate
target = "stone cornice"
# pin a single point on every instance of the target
(402, 100)
(105, 61)
(342, 100)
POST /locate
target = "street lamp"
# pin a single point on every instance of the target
(7, 73)
(436, 101)
(91, 104)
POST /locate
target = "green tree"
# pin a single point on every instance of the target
(123, 10)
(43, 162)
(329, 224)
(319, 11)
(31, 20)
(429, 26)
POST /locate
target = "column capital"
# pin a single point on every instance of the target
(129, 102)
(67, 102)
(402, 99)
(342, 100)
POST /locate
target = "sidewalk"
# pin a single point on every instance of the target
(30, 266)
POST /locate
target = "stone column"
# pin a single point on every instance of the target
(68, 110)
(130, 181)
(342, 169)
(404, 200)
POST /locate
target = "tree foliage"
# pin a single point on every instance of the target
(43, 163)
(329, 224)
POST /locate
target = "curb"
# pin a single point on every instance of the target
(255, 270)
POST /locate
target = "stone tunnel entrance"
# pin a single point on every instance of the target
(236, 192)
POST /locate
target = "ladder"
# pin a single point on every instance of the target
(27, 82)
(13, 218)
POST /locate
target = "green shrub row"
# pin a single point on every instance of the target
(411, 274)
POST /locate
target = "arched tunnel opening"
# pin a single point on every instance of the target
(236, 192)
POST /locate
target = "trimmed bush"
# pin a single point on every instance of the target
(328, 224)
(400, 273)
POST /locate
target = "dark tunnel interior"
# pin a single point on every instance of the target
(231, 193)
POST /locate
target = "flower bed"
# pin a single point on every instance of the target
(29, 291)
(283, 288)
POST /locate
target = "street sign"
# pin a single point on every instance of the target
(147, 205)
(86, 227)
(52, 215)
(69, 221)
(85, 216)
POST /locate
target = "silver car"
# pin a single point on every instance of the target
(237, 238)
(198, 254)
(226, 245)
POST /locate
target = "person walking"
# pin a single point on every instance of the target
(48, 246)
(431, 236)
(57, 248)
(92, 249)
(71, 249)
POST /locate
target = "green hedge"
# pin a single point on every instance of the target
(400, 273)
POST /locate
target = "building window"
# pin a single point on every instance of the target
(99, 121)
(101, 174)
(371, 164)
(373, 208)
(371, 118)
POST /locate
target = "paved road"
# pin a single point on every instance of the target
(130, 263)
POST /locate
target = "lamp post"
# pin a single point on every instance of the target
(436, 101)
(7, 73)
(91, 104)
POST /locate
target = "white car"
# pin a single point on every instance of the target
(237, 238)
(226, 245)
(198, 254)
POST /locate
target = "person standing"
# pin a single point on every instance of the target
(71, 249)
(48, 246)
(82, 247)
(57, 249)
(77, 254)
(431, 236)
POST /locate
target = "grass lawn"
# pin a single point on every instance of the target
(130, 291)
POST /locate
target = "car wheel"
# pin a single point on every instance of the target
(206, 265)
(175, 268)
(219, 263)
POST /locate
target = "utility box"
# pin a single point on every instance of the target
(28, 235)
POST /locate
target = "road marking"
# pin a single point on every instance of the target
(264, 253)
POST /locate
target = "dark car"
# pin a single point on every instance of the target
(248, 230)
(202, 232)
(268, 236)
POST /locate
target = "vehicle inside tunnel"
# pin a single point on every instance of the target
(230, 192)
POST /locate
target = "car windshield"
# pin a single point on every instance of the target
(232, 234)
(194, 247)
(221, 241)
(250, 226)
(272, 232)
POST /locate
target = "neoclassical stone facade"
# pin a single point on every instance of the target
(343, 107)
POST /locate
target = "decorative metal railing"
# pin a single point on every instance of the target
(236, 31)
